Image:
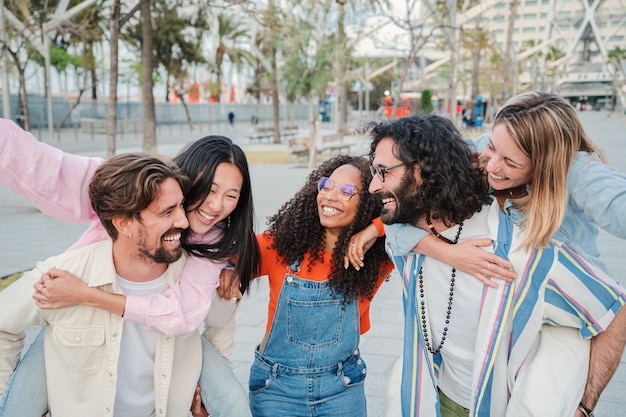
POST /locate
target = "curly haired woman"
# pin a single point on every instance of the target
(309, 357)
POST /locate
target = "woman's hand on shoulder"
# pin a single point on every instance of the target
(484, 266)
(360, 243)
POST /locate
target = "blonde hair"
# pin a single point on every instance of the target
(546, 128)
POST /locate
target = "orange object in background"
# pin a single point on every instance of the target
(388, 106)
(403, 108)
(194, 93)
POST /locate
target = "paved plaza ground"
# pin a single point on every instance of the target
(29, 236)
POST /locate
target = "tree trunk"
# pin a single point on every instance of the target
(475, 68)
(22, 71)
(149, 117)
(69, 111)
(342, 89)
(22, 88)
(453, 39)
(508, 64)
(94, 84)
(275, 103)
(181, 97)
(313, 123)
(112, 113)
(93, 73)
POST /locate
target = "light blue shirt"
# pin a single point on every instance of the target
(596, 198)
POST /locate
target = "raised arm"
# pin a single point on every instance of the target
(53, 181)
(180, 309)
(599, 192)
(466, 256)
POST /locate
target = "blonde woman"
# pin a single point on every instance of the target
(551, 179)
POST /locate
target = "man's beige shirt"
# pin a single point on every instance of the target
(82, 344)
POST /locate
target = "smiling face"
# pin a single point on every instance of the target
(398, 188)
(507, 165)
(335, 210)
(221, 200)
(160, 226)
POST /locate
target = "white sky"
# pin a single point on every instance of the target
(390, 40)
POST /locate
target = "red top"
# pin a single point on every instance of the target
(272, 266)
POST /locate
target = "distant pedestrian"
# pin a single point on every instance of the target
(231, 118)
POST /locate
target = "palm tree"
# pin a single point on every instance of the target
(616, 56)
(230, 32)
(508, 64)
(343, 54)
(553, 55)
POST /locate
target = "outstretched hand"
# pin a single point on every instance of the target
(58, 288)
(360, 243)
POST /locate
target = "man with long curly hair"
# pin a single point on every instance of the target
(518, 348)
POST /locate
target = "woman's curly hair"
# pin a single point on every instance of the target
(296, 230)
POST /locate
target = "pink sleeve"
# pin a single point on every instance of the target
(53, 181)
(183, 307)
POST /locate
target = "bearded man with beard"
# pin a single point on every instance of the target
(96, 363)
(517, 348)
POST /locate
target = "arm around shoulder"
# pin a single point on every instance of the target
(402, 238)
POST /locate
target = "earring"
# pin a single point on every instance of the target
(129, 236)
(228, 226)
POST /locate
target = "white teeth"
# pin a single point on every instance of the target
(388, 200)
(497, 177)
(205, 217)
(330, 210)
(173, 238)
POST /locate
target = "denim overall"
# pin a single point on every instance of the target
(311, 365)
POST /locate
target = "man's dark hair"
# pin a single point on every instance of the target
(126, 184)
(453, 187)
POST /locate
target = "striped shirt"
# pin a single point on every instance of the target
(556, 298)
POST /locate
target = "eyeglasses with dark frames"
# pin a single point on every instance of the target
(344, 191)
(380, 171)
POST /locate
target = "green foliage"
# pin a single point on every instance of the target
(616, 55)
(60, 59)
(134, 75)
(308, 50)
(176, 47)
(176, 38)
(230, 33)
(426, 101)
(8, 280)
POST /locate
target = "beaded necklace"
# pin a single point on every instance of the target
(450, 298)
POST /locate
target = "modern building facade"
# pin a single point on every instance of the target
(559, 45)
